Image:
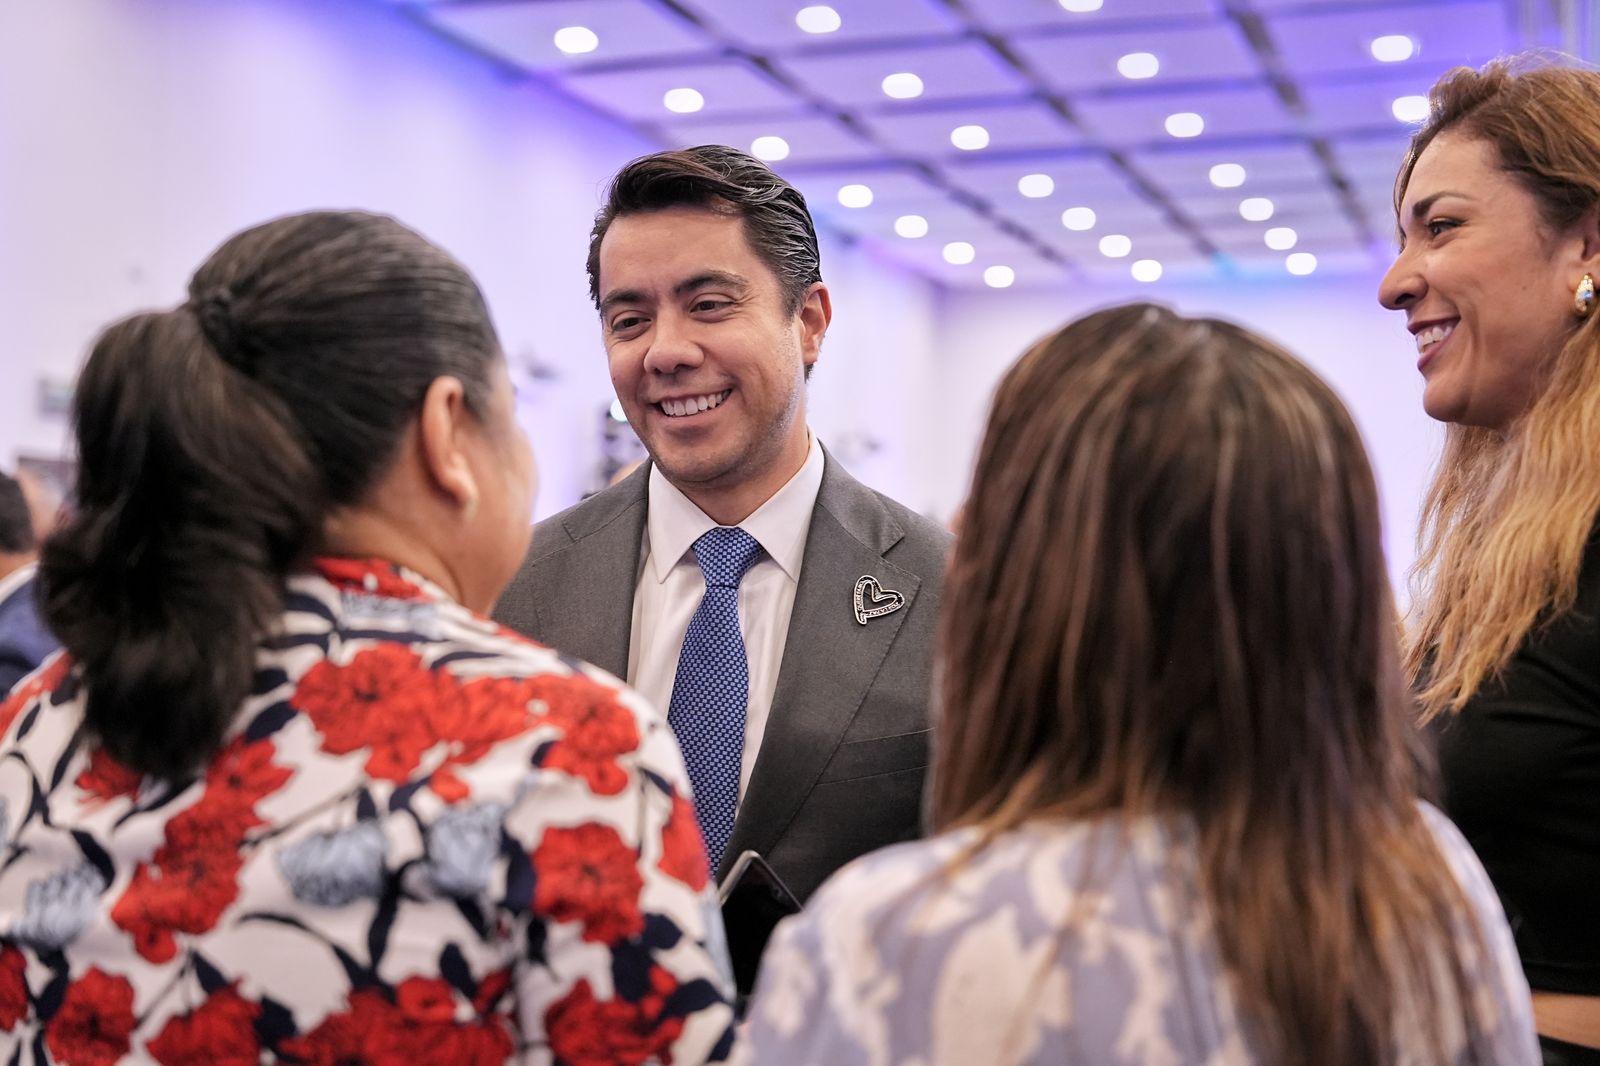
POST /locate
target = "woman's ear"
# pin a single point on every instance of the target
(442, 430)
(1587, 233)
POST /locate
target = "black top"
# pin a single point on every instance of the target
(1521, 773)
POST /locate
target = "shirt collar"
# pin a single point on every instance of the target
(779, 525)
(15, 580)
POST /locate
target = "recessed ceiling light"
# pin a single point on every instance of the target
(1080, 7)
(1255, 209)
(959, 253)
(1300, 262)
(771, 149)
(902, 86)
(1394, 48)
(1227, 175)
(1280, 238)
(1036, 186)
(1146, 270)
(1410, 108)
(1115, 246)
(1078, 218)
(911, 226)
(617, 413)
(1138, 65)
(969, 138)
(1185, 124)
(683, 101)
(999, 277)
(576, 40)
(855, 196)
(817, 19)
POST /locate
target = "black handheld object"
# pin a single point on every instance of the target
(754, 900)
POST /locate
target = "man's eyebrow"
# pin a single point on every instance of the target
(620, 296)
(711, 277)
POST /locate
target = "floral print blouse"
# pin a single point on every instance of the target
(900, 960)
(426, 840)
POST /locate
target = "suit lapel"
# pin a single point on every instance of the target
(829, 660)
(587, 609)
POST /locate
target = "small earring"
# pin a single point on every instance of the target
(1583, 299)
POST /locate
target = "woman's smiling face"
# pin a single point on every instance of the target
(1487, 288)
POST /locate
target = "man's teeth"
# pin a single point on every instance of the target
(693, 405)
(1433, 335)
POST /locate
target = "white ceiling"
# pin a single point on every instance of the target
(1288, 89)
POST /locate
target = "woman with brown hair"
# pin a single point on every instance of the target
(1499, 213)
(290, 795)
(1175, 784)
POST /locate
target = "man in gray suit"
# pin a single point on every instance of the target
(781, 612)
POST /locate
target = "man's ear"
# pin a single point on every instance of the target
(815, 313)
(441, 438)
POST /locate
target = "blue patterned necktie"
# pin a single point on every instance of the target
(712, 686)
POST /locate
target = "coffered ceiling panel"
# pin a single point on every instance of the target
(1150, 120)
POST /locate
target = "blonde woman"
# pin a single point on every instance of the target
(1497, 204)
(1174, 786)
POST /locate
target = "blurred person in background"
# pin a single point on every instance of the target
(1175, 784)
(290, 794)
(1499, 215)
(25, 518)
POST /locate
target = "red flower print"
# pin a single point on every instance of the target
(220, 1032)
(589, 875)
(584, 1031)
(683, 850)
(595, 730)
(372, 576)
(369, 1032)
(428, 1007)
(185, 887)
(95, 1021)
(491, 710)
(106, 779)
(46, 680)
(383, 699)
(13, 987)
(490, 989)
(242, 775)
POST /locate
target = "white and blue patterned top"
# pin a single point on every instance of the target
(896, 963)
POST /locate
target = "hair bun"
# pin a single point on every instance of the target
(213, 308)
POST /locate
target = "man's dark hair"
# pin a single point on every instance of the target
(719, 178)
(16, 521)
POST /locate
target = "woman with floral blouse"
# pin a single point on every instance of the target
(289, 794)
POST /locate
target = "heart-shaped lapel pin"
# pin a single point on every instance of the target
(874, 601)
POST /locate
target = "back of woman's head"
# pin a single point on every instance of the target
(1169, 591)
(1168, 597)
(214, 440)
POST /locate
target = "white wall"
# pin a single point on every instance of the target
(1335, 325)
(136, 134)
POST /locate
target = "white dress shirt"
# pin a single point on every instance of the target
(670, 587)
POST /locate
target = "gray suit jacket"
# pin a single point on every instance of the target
(842, 763)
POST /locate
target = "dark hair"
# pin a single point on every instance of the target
(16, 520)
(718, 178)
(213, 441)
(1168, 597)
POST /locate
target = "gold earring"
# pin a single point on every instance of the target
(1583, 299)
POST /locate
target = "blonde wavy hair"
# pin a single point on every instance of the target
(1507, 517)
